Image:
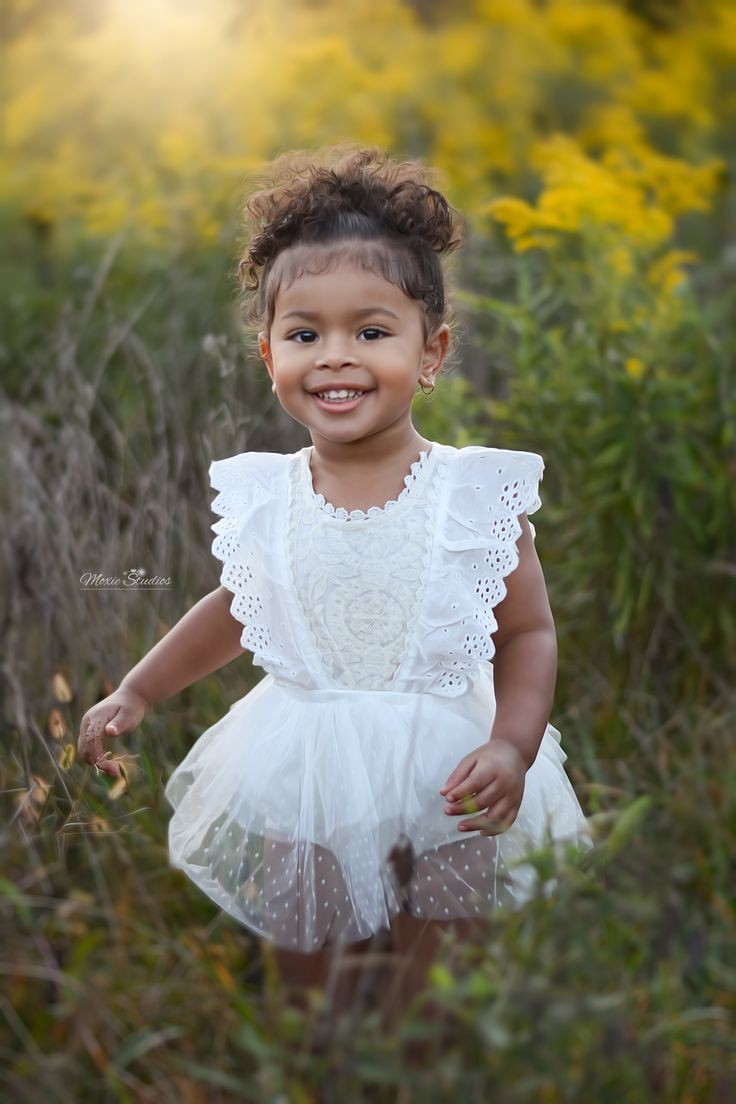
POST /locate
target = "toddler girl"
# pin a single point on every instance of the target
(395, 763)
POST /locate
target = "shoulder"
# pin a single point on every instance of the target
(492, 485)
(247, 481)
(510, 474)
(497, 461)
(234, 473)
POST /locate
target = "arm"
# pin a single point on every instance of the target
(205, 639)
(524, 670)
(525, 661)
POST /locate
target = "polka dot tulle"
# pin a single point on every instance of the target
(289, 807)
(299, 895)
(310, 812)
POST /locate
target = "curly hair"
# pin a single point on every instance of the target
(330, 198)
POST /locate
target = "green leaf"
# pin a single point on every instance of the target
(13, 894)
(627, 824)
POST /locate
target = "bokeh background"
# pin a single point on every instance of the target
(591, 145)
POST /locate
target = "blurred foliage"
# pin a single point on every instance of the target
(626, 382)
(124, 982)
(591, 145)
(152, 116)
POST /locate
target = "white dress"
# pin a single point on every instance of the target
(375, 630)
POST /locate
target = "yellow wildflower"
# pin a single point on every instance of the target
(665, 272)
(517, 215)
(619, 258)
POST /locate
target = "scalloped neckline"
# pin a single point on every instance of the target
(342, 514)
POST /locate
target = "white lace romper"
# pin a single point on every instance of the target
(375, 630)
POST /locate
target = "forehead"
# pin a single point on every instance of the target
(338, 278)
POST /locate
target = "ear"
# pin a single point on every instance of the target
(435, 350)
(264, 348)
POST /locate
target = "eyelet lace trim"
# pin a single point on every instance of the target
(373, 511)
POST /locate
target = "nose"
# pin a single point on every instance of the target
(333, 353)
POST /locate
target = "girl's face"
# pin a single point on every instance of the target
(349, 329)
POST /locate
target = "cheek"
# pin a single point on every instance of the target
(290, 362)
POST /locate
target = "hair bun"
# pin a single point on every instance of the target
(305, 188)
(398, 194)
(423, 212)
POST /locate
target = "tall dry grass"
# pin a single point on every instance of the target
(121, 981)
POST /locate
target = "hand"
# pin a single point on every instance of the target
(121, 712)
(490, 778)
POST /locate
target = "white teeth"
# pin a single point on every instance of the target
(339, 394)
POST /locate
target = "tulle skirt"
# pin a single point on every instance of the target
(314, 816)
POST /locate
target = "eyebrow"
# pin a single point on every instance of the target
(357, 313)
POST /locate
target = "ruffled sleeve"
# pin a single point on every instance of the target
(246, 540)
(486, 491)
(492, 487)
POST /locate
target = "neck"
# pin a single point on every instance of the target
(384, 450)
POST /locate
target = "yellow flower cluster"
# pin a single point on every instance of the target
(629, 196)
(155, 113)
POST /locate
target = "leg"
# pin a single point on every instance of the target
(416, 941)
(308, 896)
(456, 882)
(336, 969)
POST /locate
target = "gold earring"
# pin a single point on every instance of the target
(423, 388)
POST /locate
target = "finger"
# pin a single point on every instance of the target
(116, 724)
(106, 764)
(90, 746)
(109, 767)
(464, 806)
(493, 821)
(474, 802)
(461, 771)
(458, 775)
(489, 827)
(480, 777)
(90, 742)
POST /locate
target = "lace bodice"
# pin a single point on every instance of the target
(359, 575)
(399, 597)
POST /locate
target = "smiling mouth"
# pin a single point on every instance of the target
(341, 403)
